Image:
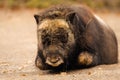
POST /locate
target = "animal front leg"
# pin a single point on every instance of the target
(39, 63)
(87, 59)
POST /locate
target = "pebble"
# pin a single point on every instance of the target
(5, 71)
(21, 67)
(63, 73)
(23, 74)
(29, 62)
(89, 73)
(99, 68)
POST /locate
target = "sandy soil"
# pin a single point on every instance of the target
(18, 47)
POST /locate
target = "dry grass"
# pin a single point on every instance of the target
(96, 4)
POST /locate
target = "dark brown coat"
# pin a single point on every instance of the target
(83, 40)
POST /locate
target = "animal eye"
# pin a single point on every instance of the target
(46, 39)
(45, 36)
(64, 38)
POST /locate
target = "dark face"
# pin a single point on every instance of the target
(56, 40)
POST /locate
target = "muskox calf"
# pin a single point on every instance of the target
(73, 37)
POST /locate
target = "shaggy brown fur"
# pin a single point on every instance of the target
(71, 37)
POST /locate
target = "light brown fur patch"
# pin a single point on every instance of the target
(85, 58)
(48, 23)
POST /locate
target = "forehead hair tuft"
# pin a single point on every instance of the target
(53, 24)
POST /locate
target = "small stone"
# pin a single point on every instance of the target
(20, 68)
(29, 62)
(99, 68)
(23, 74)
(89, 73)
(63, 73)
(5, 71)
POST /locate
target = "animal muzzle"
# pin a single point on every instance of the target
(54, 61)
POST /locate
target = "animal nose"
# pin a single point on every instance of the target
(54, 59)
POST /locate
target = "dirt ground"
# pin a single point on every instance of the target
(18, 47)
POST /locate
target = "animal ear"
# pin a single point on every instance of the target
(37, 18)
(75, 19)
(70, 17)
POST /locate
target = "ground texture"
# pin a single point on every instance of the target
(18, 47)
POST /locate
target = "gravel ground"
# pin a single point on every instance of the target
(18, 47)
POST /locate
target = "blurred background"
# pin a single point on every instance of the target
(94, 4)
(18, 39)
